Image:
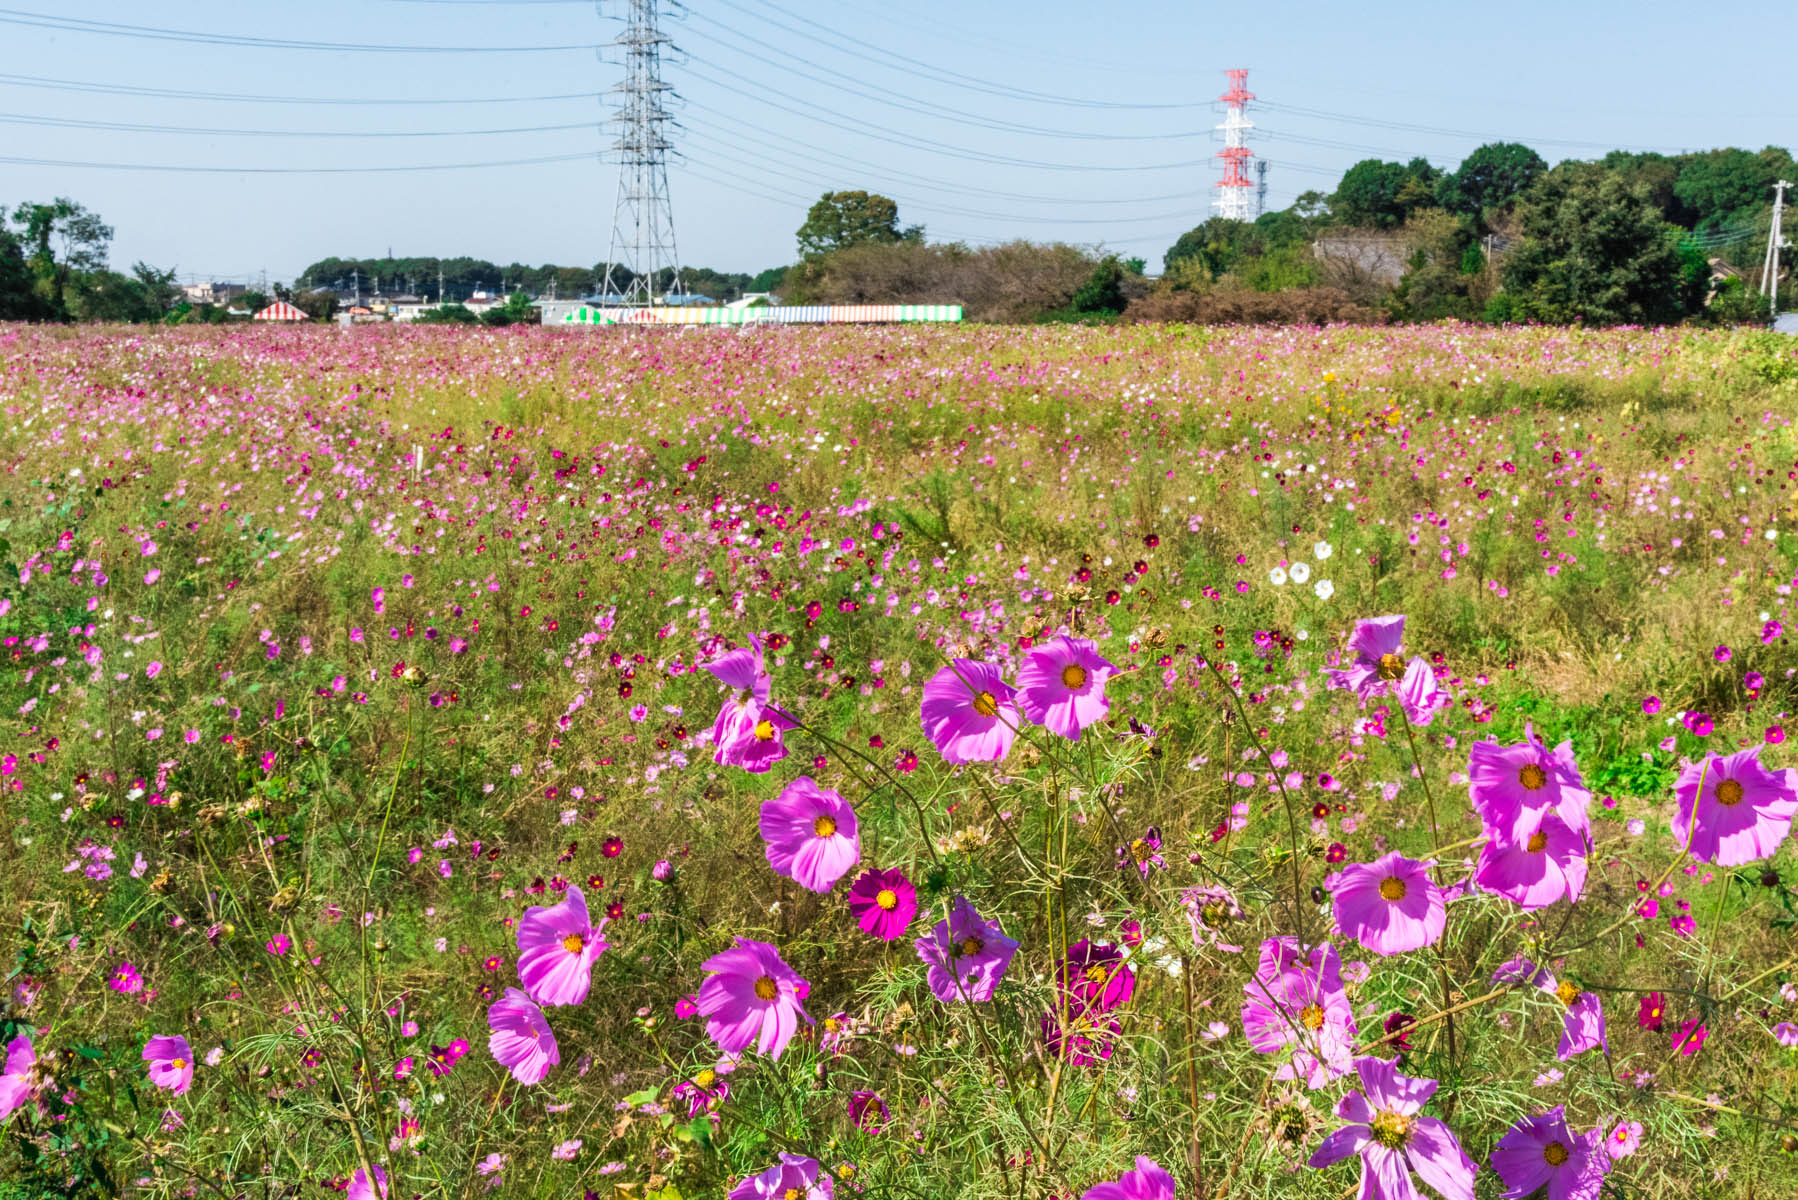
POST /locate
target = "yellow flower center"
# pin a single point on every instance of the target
(180, 1064)
(1390, 1129)
(1140, 850)
(792, 1194)
(986, 704)
(1097, 974)
(886, 899)
(969, 945)
(764, 731)
(1392, 667)
(1312, 1016)
(1730, 792)
(1554, 1154)
(1532, 777)
(705, 1078)
(766, 988)
(1073, 676)
(1392, 888)
(1214, 914)
(1537, 843)
(824, 826)
(573, 943)
(1567, 992)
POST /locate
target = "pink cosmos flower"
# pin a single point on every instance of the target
(1690, 1038)
(1092, 980)
(521, 1040)
(1210, 910)
(794, 1177)
(883, 903)
(748, 734)
(1393, 1140)
(966, 954)
(868, 1112)
(361, 1189)
(1147, 1182)
(970, 713)
(743, 672)
(1582, 1024)
(17, 1083)
(1513, 786)
(171, 1062)
(1537, 870)
(1390, 905)
(811, 834)
(752, 997)
(126, 979)
(1624, 1140)
(1299, 1004)
(1786, 1033)
(1377, 664)
(1540, 1151)
(1745, 813)
(556, 949)
(1061, 686)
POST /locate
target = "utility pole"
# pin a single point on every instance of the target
(440, 285)
(643, 220)
(1775, 243)
(356, 278)
(1260, 186)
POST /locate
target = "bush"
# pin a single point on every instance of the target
(1237, 306)
(1015, 282)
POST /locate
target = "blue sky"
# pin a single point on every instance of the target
(784, 99)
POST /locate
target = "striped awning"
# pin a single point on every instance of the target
(785, 314)
(280, 310)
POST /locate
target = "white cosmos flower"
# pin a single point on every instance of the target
(1300, 572)
(1323, 550)
(1324, 589)
(1277, 576)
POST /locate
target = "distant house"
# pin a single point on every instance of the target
(212, 292)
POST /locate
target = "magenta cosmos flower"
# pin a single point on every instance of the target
(1390, 905)
(1513, 786)
(748, 734)
(811, 834)
(361, 1189)
(794, 1177)
(1540, 1151)
(1147, 1182)
(883, 903)
(1393, 1140)
(1582, 1022)
(1377, 663)
(751, 998)
(1210, 911)
(16, 1084)
(967, 955)
(1061, 686)
(171, 1062)
(743, 672)
(521, 1040)
(1745, 812)
(556, 949)
(970, 714)
(1538, 870)
(1299, 1004)
(1418, 695)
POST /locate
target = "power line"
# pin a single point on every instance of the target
(937, 74)
(587, 156)
(121, 89)
(133, 127)
(13, 16)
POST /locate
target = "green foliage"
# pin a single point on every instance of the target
(1437, 283)
(1103, 291)
(517, 310)
(1723, 188)
(1380, 195)
(1490, 179)
(448, 314)
(1595, 249)
(840, 220)
(769, 280)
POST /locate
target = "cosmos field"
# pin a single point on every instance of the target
(981, 762)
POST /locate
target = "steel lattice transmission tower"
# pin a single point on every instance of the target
(1235, 198)
(643, 221)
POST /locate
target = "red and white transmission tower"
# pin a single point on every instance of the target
(1236, 195)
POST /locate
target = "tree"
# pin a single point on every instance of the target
(60, 238)
(1595, 249)
(1438, 281)
(517, 310)
(1724, 188)
(1103, 291)
(1490, 179)
(448, 314)
(1380, 195)
(769, 280)
(843, 219)
(18, 300)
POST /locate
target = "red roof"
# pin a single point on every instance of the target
(280, 310)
